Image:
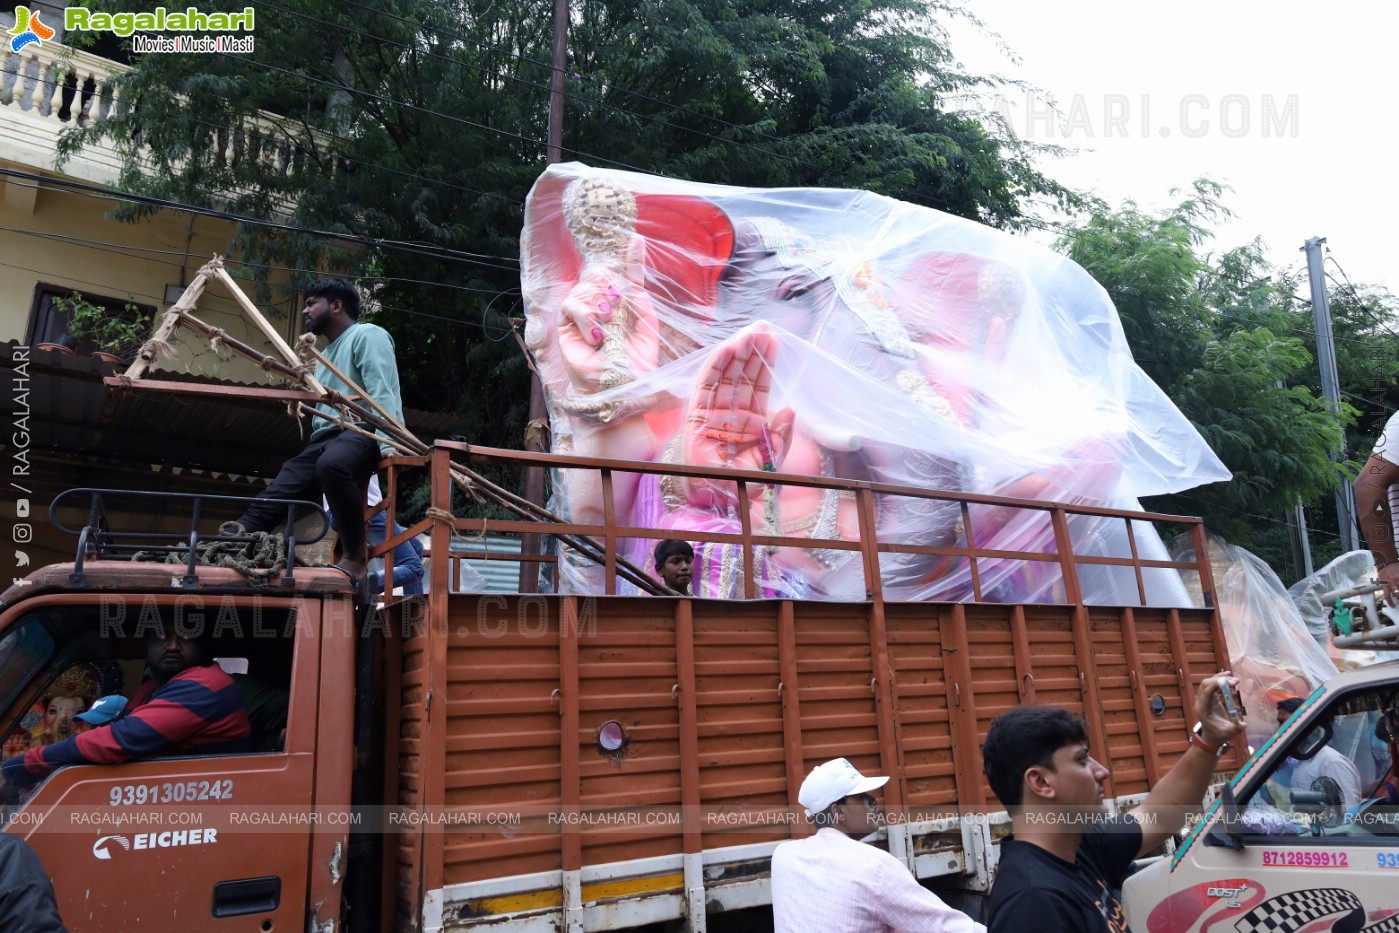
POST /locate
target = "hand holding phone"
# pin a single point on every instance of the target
(1231, 700)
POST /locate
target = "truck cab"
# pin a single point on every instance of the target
(223, 842)
(1308, 829)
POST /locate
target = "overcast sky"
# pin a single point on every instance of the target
(1289, 104)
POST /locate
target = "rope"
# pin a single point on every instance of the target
(466, 483)
(218, 342)
(262, 558)
(448, 519)
(294, 412)
(537, 434)
(154, 349)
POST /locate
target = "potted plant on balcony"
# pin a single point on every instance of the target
(117, 335)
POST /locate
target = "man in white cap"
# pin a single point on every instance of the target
(834, 883)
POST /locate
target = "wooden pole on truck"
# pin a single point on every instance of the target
(170, 320)
(398, 436)
(267, 329)
(354, 387)
(537, 426)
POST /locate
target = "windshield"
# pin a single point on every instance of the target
(1338, 775)
(22, 652)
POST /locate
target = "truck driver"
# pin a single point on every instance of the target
(188, 707)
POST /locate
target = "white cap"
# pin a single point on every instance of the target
(833, 780)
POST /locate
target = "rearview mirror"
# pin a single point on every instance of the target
(1225, 829)
(1306, 747)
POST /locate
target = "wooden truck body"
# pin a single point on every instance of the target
(543, 761)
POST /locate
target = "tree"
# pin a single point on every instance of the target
(1231, 341)
(415, 129)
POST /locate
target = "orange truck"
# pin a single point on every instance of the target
(543, 761)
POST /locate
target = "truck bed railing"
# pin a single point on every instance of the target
(1061, 553)
(98, 539)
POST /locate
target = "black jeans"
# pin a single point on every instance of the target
(332, 466)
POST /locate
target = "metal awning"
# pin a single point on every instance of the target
(229, 435)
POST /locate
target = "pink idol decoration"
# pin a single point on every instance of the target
(843, 334)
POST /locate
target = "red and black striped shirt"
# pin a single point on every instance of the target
(199, 711)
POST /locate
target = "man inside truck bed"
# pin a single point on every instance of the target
(336, 460)
(1065, 860)
(188, 707)
(675, 561)
(834, 883)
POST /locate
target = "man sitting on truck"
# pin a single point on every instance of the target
(188, 707)
(336, 460)
(1065, 860)
(834, 883)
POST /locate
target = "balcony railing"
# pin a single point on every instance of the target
(45, 89)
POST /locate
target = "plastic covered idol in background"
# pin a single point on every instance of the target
(840, 334)
(1271, 650)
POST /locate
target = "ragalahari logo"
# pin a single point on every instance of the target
(28, 30)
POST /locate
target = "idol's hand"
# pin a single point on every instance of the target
(608, 332)
(727, 424)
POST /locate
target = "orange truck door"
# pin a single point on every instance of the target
(195, 843)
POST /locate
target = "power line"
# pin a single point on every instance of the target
(127, 250)
(1311, 529)
(549, 66)
(340, 86)
(100, 94)
(525, 81)
(119, 249)
(1378, 403)
(446, 254)
(423, 110)
(1355, 294)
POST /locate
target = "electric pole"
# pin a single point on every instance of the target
(537, 429)
(1330, 379)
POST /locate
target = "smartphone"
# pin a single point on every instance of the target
(1232, 701)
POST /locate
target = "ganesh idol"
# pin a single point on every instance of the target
(841, 334)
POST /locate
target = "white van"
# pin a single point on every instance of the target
(1305, 838)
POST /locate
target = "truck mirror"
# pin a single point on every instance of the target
(1225, 830)
(1313, 742)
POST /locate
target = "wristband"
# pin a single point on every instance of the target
(1197, 738)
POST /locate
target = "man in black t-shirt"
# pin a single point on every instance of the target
(1060, 869)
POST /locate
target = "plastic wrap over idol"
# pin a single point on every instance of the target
(843, 334)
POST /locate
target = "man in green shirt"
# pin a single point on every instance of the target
(336, 460)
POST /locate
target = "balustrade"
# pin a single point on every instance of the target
(51, 87)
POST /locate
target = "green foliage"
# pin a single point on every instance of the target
(1275, 437)
(118, 333)
(1149, 266)
(1231, 340)
(419, 127)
